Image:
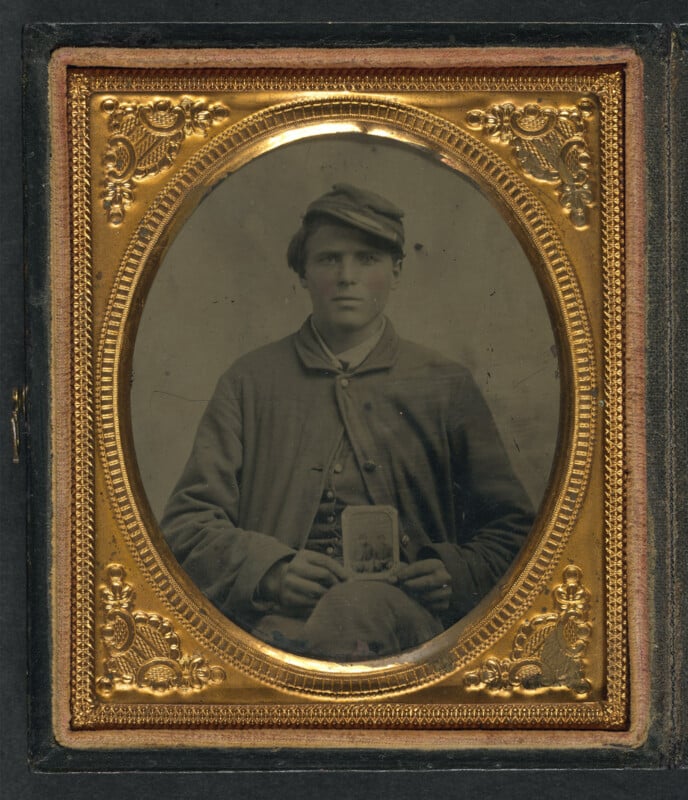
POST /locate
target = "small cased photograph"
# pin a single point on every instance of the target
(370, 541)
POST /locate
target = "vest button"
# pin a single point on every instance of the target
(344, 382)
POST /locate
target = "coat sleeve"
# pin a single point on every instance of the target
(201, 520)
(493, 512)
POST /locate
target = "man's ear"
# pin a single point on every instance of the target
(396, 273)
(303, 281)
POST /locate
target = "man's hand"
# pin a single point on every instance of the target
(428, 582)
(299, 584)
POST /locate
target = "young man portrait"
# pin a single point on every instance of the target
(345, 413)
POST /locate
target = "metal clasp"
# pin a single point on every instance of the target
(17, 416)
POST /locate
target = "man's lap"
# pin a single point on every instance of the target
(356, 620)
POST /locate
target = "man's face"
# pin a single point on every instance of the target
(349, 280)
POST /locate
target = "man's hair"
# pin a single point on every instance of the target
(361, 210)
(297, 251)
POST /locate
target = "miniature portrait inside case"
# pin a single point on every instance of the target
(333, 447)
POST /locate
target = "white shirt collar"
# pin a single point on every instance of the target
(354, 356)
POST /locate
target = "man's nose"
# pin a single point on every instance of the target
(348, 271)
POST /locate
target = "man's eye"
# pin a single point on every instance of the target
(328, 258)
(369, 258)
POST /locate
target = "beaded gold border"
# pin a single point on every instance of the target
(83, 475)
(277, 79)
(607, 714)
(613, 251)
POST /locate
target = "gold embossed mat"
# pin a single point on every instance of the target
(139, 141)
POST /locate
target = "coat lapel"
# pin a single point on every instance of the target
(311, 355)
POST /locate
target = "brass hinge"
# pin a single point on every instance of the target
(16, 419)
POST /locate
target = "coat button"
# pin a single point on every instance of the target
(329, 550)
(344, 382)
(337, 468)
(370, 466)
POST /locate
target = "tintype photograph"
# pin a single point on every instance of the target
(346, 400)
(345, 324)
(370, 541)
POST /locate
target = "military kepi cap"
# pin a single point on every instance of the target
(361, 209)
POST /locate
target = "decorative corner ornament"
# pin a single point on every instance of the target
(548, 650)
(549, 144)
(145, 140)
(143, 649)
